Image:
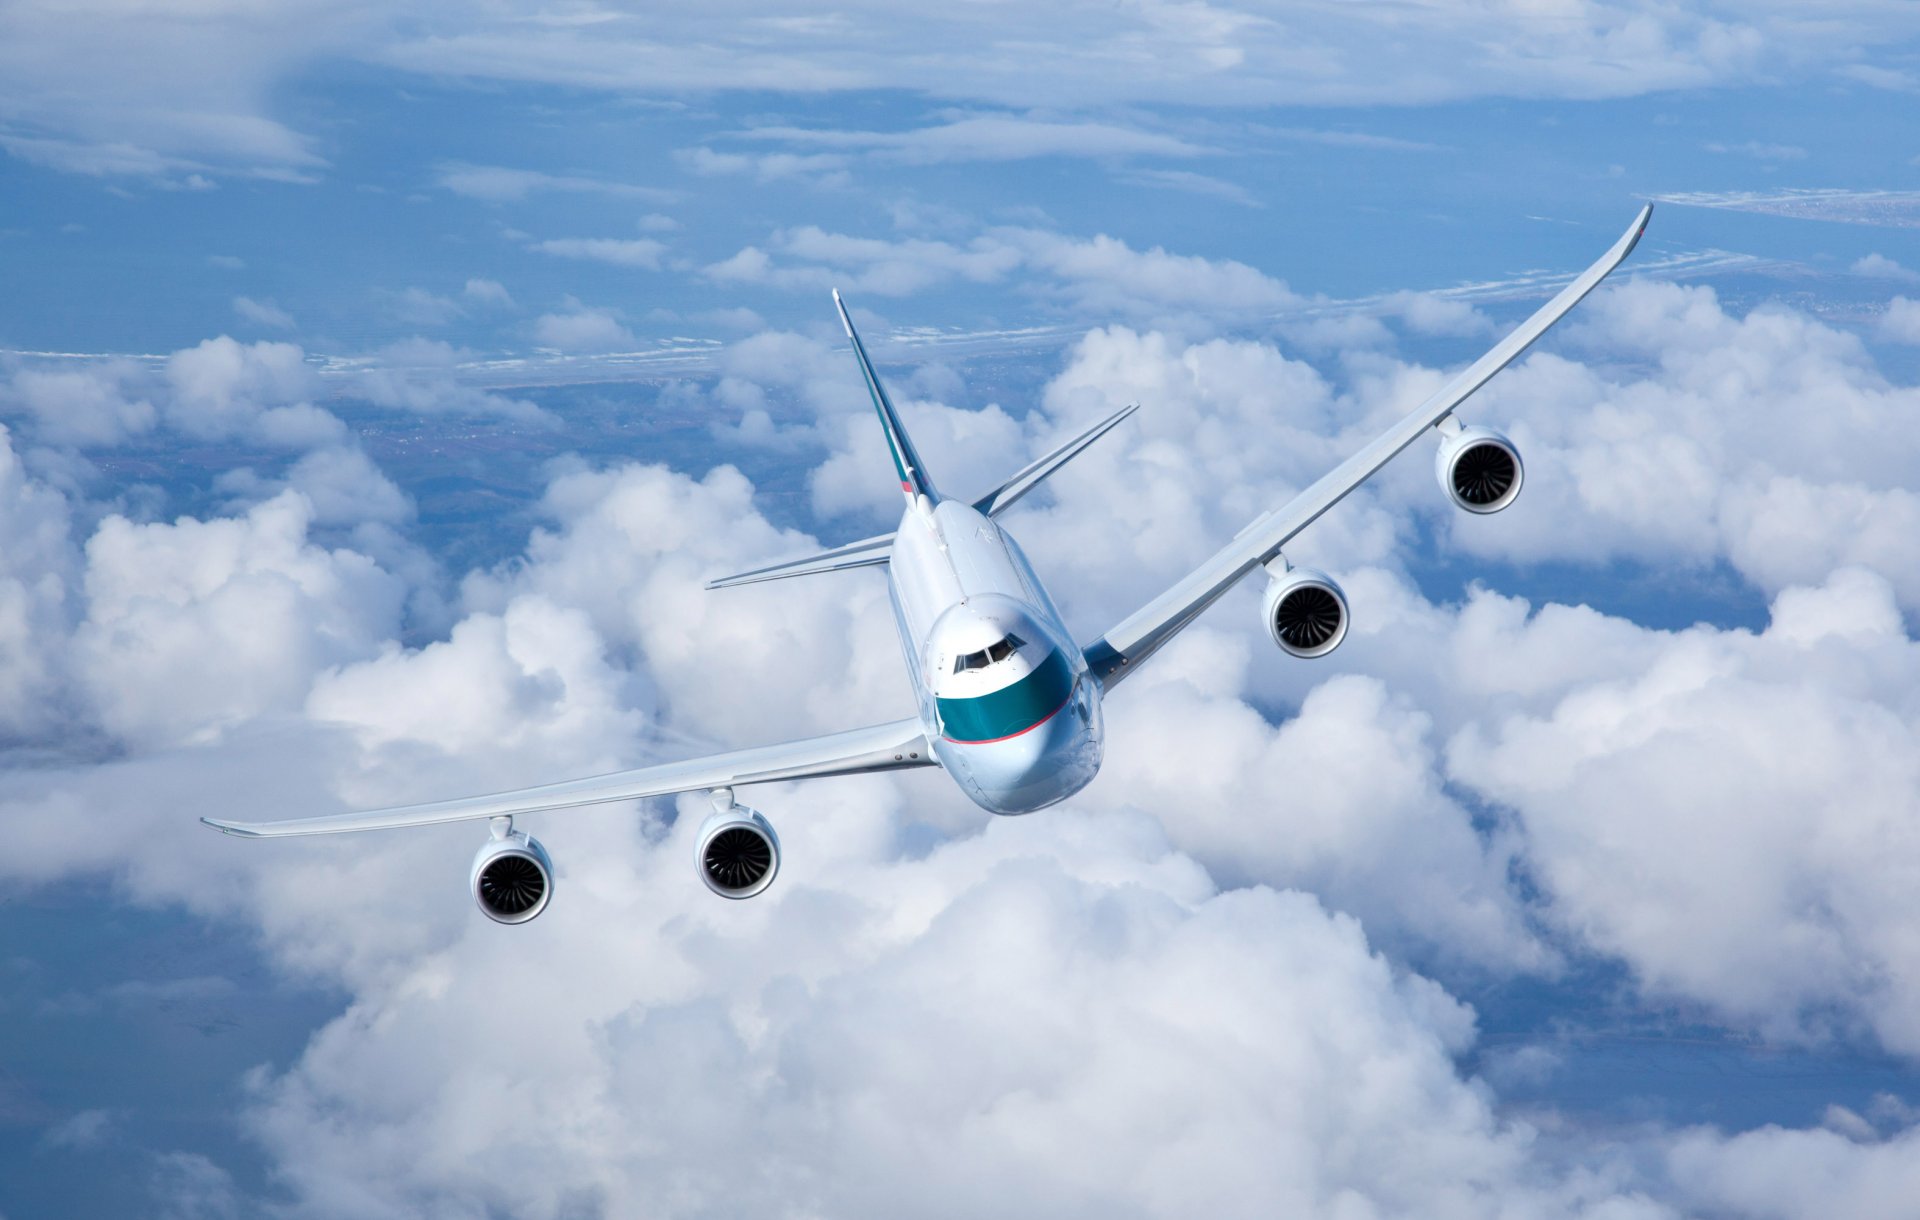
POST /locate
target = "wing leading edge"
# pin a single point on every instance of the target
(1140, 634)
(882, 747)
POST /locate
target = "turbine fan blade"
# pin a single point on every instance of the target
(737, 857)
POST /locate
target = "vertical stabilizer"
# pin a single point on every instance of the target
(914, 482)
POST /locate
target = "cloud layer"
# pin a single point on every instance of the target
(1225, 975)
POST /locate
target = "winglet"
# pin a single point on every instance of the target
(1639, 228)
(914, 482)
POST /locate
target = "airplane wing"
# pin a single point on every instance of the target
(867, 552)
(1121, 650)
(882, 747)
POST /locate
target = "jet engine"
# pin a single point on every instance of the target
(1306, 613)
(1479, 469)
(737, 851)
(512, 876)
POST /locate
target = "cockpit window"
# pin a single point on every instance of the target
(998, 651)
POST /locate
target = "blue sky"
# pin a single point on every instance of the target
(380, 385)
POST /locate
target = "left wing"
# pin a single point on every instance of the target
(883, 747)
(1140, 634)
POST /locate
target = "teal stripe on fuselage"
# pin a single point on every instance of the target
(1011, 710)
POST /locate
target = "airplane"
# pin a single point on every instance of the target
(1009, 704)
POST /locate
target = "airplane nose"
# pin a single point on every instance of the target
(1046, 764)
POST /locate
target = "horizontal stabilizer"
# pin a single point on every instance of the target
(1001, 498)
(862, 554)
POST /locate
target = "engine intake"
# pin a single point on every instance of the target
(1305, 612)
(1479, 469)
(737, 851)
(512, 877)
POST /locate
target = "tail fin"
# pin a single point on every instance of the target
(914, 482)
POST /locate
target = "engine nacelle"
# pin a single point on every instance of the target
(512, 877)
(1306, 613)
(737, 851)
(1479, 469)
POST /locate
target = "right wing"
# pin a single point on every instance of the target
(1117, 653)
(883, 747)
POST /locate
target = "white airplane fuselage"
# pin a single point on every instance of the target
(1009, 707)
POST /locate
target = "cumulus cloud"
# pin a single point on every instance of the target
(488, 292)
(341, 485)
(929, 1043)
(582, 329)
(1880, 267)
(39, 575)
(223, 389)
(1776, 1173)
(423, 376)
(194, 625)
(1670, 823)
(99, 405)
(1032, 1013)
(1901, 322)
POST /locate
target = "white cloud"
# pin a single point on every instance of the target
(994, 137)
(98, 405)
(821, 169)
(183, 94)
(582, 329)
(1037, 1008)
(1105, 273)
(1081, 54)
(1721, 811)
(1427, 313)
(499, 184)
(1779, 1174)
(418, 307)
(488, 292)
(424, 376)
(1193, 184)
(39, 576)
(1901, 322)
(640, 252)
(1880, 267)
(264, 313)
(193, 626)
(222, 389)
(1760, 150)
(1101, 275)
(1882, 208)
